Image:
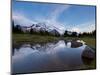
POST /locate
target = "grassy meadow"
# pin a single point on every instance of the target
(90, 41)
(17, 38)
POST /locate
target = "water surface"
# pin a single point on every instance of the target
(57, 56)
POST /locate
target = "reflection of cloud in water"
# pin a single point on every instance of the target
(23, 52)
(49, 48)
(68, 44)
(47, 57)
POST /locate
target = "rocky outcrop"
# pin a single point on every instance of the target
(54, 32)
(88, 53)
(75, 44)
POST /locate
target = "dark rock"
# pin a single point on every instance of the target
(87, 61)
(75, 44)
(66, 41)
(55, 32)
(88, 53)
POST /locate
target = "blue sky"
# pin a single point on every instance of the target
(71, 17)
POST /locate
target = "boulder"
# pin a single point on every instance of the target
(88, 53)
(75, 44)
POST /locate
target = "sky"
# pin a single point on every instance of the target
(79, 18)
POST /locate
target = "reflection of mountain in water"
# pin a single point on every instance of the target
(48, 57)
(45, 46)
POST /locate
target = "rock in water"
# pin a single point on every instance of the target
(75, 44)
(88, 53)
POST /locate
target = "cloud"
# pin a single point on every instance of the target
(52, 24)
(51, 19)
(57, 11)
(59, 26)
(21, 19)
(24, 21)
(85, 27)
(89, 28)
(75, 29)
(53, 16)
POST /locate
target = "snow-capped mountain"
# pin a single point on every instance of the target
(26, 23)
(41, 27)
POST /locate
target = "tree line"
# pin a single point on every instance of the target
(18, 29)
(84, 34)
